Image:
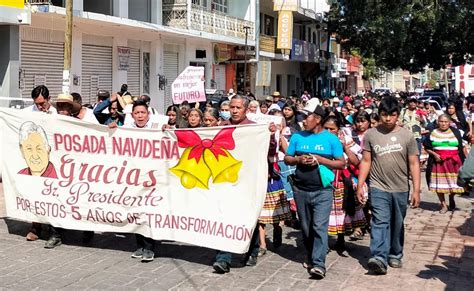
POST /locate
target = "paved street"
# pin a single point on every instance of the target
(439, 254)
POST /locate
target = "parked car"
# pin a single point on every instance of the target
(438, 99)
(215, 95)
(382, 91)
(437, 95)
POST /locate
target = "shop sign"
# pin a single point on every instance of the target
(285, 29)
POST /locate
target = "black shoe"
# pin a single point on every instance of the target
(52, 242)
(277, 237)
(377, 266)
(87, 237)
(138, 253)
(340, 247)
(147, 256)
(452, 204)
(316, 273)
(252, 261)
(395, 263)
(221, 267)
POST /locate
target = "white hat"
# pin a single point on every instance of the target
(335, 99)
(311, 104)
(274, 106)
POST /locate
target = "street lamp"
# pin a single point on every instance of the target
(245, 55)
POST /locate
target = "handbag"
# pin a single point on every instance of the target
(326, 174)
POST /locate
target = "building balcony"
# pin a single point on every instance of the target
(175, 14)
(38, 2)
(268, 44)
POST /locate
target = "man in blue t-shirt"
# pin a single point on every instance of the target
(314, 151)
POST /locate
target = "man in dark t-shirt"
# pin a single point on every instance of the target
(312, 151)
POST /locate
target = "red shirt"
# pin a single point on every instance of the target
(50, 171)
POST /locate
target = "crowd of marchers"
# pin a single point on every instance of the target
(347, 167)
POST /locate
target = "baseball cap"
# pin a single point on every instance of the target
(103, 94)
(318, 110)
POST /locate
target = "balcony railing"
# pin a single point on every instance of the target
(175, 14)
(268, 44)
(38, 2)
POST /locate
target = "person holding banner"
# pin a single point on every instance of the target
(224, 112)
(195, 117)
(141, 119)
(211, 117)
(41, 99)
(40, 96)
(175, 119)
(113, 115)
(315, 152)
(238, 108)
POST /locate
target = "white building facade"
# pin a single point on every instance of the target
(142, 43)
(147, 43)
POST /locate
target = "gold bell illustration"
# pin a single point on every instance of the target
(192, 173)
(225, 168)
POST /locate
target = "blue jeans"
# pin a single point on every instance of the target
(223, 256)
(388, 233)
(314, 209)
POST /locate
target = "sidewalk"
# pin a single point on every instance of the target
(439, 255)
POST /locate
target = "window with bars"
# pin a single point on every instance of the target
(202, 3)
(146, 73)
(220, 5)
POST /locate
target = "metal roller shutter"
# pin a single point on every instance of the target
(41, 64)
(133, 74)
(219, 77)
(96, 71)
(170, 69)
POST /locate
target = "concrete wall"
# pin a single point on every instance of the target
(191, 47)
(289, 72)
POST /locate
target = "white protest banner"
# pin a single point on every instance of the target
(123, 58)
(202, 186)
(265, 119)
(189, 86)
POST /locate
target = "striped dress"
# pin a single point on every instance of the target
(444, 174)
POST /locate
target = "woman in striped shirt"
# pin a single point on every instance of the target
(444, 145)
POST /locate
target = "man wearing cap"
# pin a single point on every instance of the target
(102, 95)
(314, 152)
(269, 101)
(411, 120)
(65, 105)
(41, 99)
(336, 103)
(84, 113)
(278, 99)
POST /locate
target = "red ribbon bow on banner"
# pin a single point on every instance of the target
(222, 140)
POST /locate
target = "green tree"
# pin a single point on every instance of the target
(407, 34)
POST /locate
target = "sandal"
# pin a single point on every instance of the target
(357, 235)
(443, 210)
(262, 251)
(307, 266)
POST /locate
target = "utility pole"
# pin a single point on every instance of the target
(245, 56)
(67, 48)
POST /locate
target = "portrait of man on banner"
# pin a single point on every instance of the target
(35, 150)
